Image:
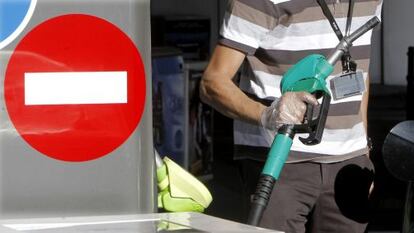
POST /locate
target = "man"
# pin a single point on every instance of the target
(322, 188)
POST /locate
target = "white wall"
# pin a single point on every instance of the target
(398, 36)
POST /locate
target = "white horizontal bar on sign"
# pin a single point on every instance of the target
(59, 88)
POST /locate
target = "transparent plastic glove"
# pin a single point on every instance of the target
(289, 109)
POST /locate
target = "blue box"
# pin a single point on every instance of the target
(168, 88)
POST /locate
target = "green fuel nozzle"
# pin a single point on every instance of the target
(308, 75)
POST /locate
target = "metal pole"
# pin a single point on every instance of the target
(382, 48)
(410, 84)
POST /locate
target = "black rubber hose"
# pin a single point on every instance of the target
(261, 198)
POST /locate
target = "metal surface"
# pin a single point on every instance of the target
(398, 151)
(145, 223)
(398, 154)
(122, 182)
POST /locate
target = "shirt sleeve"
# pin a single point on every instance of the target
(246, 22)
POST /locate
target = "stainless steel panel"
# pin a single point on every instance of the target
(122, 182)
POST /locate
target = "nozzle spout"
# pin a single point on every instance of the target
(363, 29)
(158, 159)
(347, 41)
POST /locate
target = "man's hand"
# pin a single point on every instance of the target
(289, 109)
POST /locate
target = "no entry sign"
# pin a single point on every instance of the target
(14, 16)
(75, 87)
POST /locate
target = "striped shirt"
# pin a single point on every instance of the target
(275, 34)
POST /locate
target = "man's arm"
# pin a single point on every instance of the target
(218, 89)
(364, 107)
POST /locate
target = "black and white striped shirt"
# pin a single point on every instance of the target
(275, 34)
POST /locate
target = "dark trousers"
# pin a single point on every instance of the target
(315, 197)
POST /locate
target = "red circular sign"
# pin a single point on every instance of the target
(83, 51)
